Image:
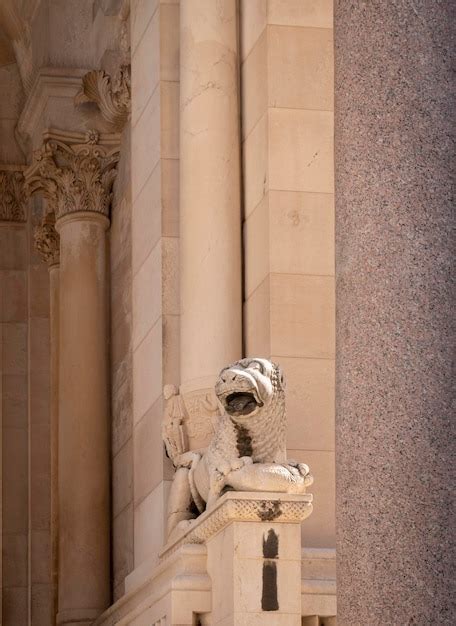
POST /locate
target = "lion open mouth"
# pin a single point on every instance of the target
(241, 403)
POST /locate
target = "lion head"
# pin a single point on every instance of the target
(249, 385)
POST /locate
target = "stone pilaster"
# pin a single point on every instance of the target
(395, 427)
(75, 173)
(47, 242)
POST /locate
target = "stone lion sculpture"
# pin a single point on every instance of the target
(247, 451)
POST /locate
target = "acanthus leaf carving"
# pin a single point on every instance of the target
(111, 94)
(12, 195)
(74, 175)
(47, 240)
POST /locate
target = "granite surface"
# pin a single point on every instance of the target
(395, 431)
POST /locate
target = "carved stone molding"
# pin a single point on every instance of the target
(51, 85)
(243, 507)
(111, 94)
(75, 171)
(47, 240)
(12, 194)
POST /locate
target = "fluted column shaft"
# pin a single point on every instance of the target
(210, 217)
(395, 434)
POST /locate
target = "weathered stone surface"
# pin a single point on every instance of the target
(75, 171)
(247, 451)
(112, 95)
(12, 195)
(47, 240)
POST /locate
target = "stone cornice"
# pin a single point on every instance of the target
(12, 193)
(75, 171)
(47, 240)
(243, 507)
(50, 82)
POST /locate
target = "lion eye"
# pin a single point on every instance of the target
(255, 365)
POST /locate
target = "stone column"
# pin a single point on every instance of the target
(210, 217)
(47, 242)
(395, 312)
(76, 177)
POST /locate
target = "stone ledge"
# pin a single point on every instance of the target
(243, 507)
(151, 583)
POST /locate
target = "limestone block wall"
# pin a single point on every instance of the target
(286, 85)
(155, 313)
(15, 377)
(287, 133)
(11, 100)
(287, 126)
(121, 372)
(15, 426)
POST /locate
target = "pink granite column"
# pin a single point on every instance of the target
(395, 435)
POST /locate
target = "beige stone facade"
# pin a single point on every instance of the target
(166, 208)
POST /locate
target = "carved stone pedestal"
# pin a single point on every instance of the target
(238, 564)
(253, 543)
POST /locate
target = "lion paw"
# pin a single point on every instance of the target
(299, 470)
(227, 467)
(237, 464)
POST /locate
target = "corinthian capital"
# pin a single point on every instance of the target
(111, 94)
(47, 240)
(75, 172)
(12, 194)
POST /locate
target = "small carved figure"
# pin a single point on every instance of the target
(248, 450)
(173, 432)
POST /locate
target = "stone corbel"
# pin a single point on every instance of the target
(12, 193)
(75, 171)
(112, 95)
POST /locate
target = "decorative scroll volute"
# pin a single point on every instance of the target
(12, 195)
(47, 240)
(112, 95)
(75, 172)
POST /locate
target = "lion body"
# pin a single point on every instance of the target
(248, 450)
